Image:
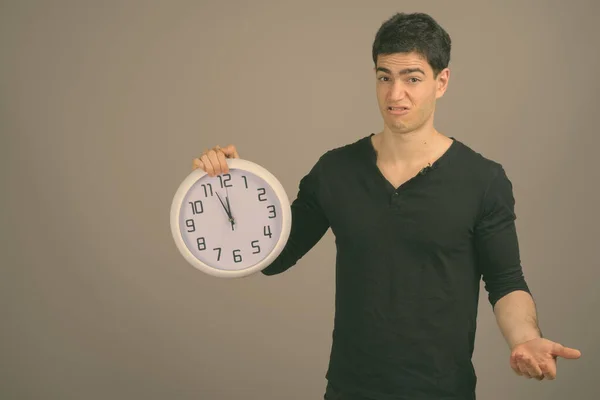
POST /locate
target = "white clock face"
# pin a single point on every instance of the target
(231, 221)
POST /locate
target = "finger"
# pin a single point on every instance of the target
(524, 372)
(197, 163)
(222, 162)
(212, 156)
(522, 365)
(532, 368)
(549, 370)
(230, 151)
(515, 366)
(535, 373)
(565, 352)
(208, 167)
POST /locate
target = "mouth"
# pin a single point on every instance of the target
(398, 110)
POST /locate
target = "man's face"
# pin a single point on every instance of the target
(407, 90)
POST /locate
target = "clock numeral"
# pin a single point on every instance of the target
(190, 224)
(267, 231)
(209, 189)
(201, 243)
(225, 182)
(255, 246)
(197, 207)
(236, 256)
(272, 211)
(245, 181)
(261, 192)
(219, 253)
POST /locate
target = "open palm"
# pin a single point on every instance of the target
(537, 358)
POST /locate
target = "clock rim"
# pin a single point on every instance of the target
(286, 215)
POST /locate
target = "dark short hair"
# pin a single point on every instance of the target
(415, 32)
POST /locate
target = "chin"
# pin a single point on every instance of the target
(398, 127)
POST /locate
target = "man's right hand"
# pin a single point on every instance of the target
(213, 162)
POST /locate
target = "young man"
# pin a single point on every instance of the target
(419, 218)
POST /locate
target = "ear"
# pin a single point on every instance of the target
(441, 82)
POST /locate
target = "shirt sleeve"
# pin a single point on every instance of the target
(309, 223)
(496, 240)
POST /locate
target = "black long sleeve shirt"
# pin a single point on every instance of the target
(408, 266)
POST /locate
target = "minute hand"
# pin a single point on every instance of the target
(226, 208)
(231, 219)
(229, 207)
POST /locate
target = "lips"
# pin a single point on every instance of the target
(398, 110)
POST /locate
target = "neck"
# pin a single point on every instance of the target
(413, 148)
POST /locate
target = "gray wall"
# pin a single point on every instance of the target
(103, 106)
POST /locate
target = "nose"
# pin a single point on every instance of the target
(397, 91)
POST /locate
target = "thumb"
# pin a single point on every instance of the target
(230, 151)
(565, 352)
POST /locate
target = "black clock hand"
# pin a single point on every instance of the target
(229, 207)
(226, 210)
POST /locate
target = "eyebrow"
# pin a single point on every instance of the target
(404, 71)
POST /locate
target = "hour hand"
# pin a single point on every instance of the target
(229, 207)
(231, 219)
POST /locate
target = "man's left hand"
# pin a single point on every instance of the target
(537, 358)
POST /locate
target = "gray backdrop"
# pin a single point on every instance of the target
(104, 104)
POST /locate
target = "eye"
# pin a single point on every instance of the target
(383, 78)
(414, 80)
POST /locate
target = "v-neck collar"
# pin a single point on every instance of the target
(372, 155)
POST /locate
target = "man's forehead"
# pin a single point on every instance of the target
(402, 62)
(403, 59)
